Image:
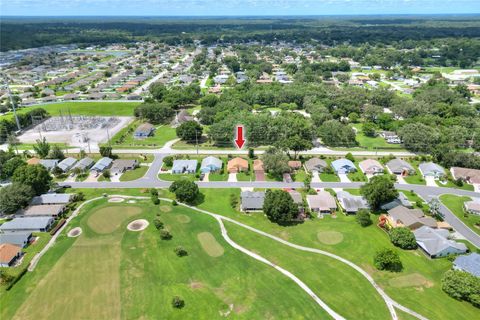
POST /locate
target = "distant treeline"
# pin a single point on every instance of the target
(21, 33)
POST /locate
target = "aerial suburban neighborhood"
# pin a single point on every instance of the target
(294, 167)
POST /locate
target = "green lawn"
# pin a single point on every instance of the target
(455, 204)
(84, 108)
(120, 274)
(417, 286)
(124, 138)
(417, 178)
(357, 175)
(374, 143)
(176, 177)
(450, 184)
(130, 175)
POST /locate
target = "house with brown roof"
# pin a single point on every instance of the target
(295, 165)
(237, 165)
(371, 167)
(468, 175)
(401, 216)
(33, 161)
(258, 170)
(8, 254)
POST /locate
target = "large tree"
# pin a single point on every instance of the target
(189, 131)
(185, 190)
(10, 166)
(275, 162)
(334, 133)
(403, 237)
(279, 206)
(35, 176)
(155, 112)
(462, 286)
(379, 190)
(387, 259)
(296, 144)
(42, 148)
(14, 197)
(419, 137)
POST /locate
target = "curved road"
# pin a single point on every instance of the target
(150, 180)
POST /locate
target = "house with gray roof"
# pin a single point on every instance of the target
(67, 164)
(401, 200)
(184, 166)
(121, 165)
(20, 239)
(144, 130)
(343, 166)
(32, 224)
(400, 167)
(430, 169)
(472, 206)
(315, 164)
(84, 164)
(52, 198)
(252, 201)
(211, 164)
(49, 164)
(468, 263)
(102, 164)
(435, 242)
(351, 203)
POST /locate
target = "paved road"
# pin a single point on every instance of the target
(150, 180)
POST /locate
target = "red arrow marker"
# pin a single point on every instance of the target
(239, 139)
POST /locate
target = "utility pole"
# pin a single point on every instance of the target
(12, 102)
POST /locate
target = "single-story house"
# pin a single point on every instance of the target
(8, 254)
(297, 197)
(20, 239)
(400, 167)
(121, 165)
(472, 206)
(33, 224)
(471, 176)
(84, 164)
(211, 164)
(401, 200)
(49, 164)
(430, 169)
(52, 198)
(294, 165)
(102, 164)
(370, 166)
(343, 166)
(184, 166)
(144, 130)
(323, 202)
(46, 210)
(468, 263)
(67, 164)
(237, 165)
(33, 161)
(351, 203)
(435, 242)
(410, 218)
(258, 165)
(252, 201)
(315, 164)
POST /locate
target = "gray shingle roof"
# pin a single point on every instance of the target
(33, 223)
(469, 263)
(67, 163)
(52, 198)
(102, 164)
(435, 241)
(84, 163)
(18, 238)
(398, 166)
(252, 200)
(351, 203)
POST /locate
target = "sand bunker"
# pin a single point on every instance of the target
(137, 225)
(116, 200)
(75, 232)
(132, 201)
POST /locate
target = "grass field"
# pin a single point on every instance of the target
(455, 204)
(358, 245)
(124, 138)
(135, 174)
(374, 143)
(132, 275)
(84, 108)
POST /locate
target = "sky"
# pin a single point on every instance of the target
(233, 7)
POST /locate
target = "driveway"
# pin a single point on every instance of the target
(401, 180)
(343, 177)
(205, 178)
(431, 181)
(232, 177)
(259, 175)
(316, 177)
